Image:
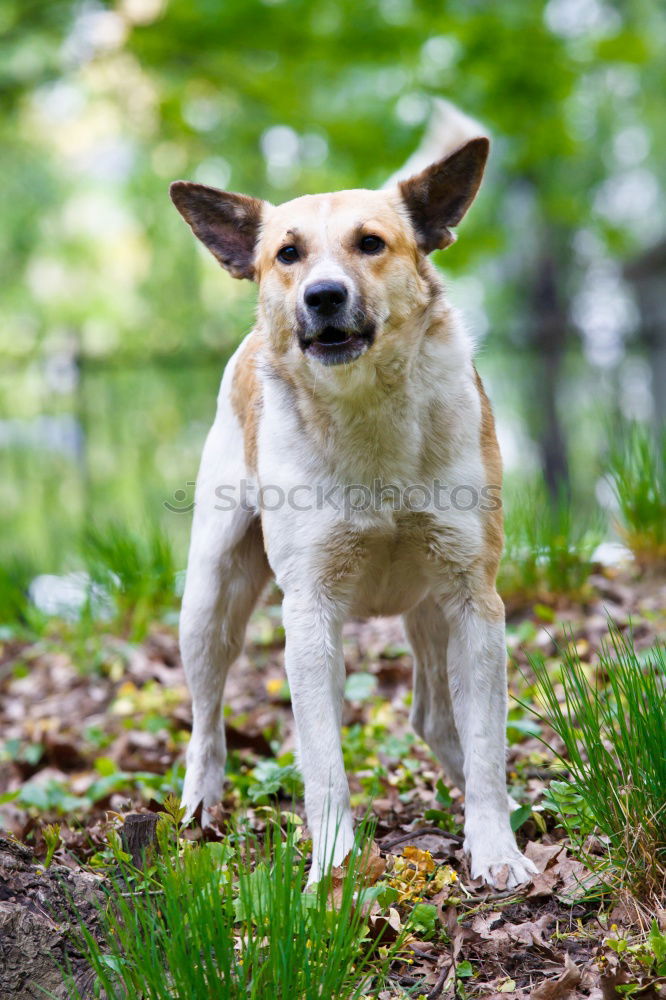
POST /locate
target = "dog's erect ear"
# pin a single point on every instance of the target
(439, 196)
(228, 224)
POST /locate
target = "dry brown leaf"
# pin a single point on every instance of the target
(560, 988)
(455, 931)
(543, 855)
(559, 873)
(370, 868)
(371, 865)
(388, 926)
(530, 932)
(483, 923)
(505, 936)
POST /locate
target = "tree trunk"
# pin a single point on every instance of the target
(647, 275)
(548, 340)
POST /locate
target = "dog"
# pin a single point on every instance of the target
(349, 422)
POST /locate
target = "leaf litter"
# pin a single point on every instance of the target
(94, 728)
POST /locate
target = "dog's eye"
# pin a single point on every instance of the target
(288, 255)
(371, 244)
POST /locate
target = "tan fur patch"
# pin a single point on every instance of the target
(246, 396)
(342, 555)
(493, 519)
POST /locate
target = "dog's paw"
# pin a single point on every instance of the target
(498, 861)
(192, 803)
(314, 876)
(330, 849)
(504, 872)
(202, 787)
(319, 868)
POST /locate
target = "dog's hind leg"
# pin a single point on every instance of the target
(476, 657)
(432, 710)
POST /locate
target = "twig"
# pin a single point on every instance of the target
(454, 837)
(405, 980)
(438, 988)
(505, 897)
(430, 955)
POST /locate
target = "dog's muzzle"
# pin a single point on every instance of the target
(329, 331)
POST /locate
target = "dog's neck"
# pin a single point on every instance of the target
(372, 417)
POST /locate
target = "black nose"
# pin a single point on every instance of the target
(325, 297)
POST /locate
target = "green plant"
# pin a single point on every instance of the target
(649, 950)
(52, 839)
(231, 920)
(272, 777)
(442, 817)
(613, 731)
(548, 551)
(563, 800)
(641, 960)
(424, 920)
(17, 612)
(637, 471)
(136, 568)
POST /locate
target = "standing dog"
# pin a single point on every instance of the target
(354, 456)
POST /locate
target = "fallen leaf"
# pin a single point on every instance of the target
(371, 865)
(483, 923)
(559, 873)
(369, 869)
(560, 988)
(387, 926)
(422, 860)
(504, 936)
(543, 855)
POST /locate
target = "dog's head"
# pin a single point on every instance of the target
(339, 272)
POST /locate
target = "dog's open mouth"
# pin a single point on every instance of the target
(331, 336)
(335, 345)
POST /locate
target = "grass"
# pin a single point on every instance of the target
(136, 568)
(548, 549)
(637, 471)
(614, 734)
(124, 580)
(17, 610)
(231, 920)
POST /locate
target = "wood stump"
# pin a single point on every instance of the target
(138, 836)
(38, 909)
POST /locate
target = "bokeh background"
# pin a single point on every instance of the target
(116, 326)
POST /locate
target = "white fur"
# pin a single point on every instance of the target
(448, 128)
(460, 684)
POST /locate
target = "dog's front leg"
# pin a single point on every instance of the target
(477, 679)
(316, 673)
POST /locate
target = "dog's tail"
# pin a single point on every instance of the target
(447, 129)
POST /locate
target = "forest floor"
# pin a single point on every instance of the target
(95, 726)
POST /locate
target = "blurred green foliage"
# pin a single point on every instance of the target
(637, 471)
(115, 325)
